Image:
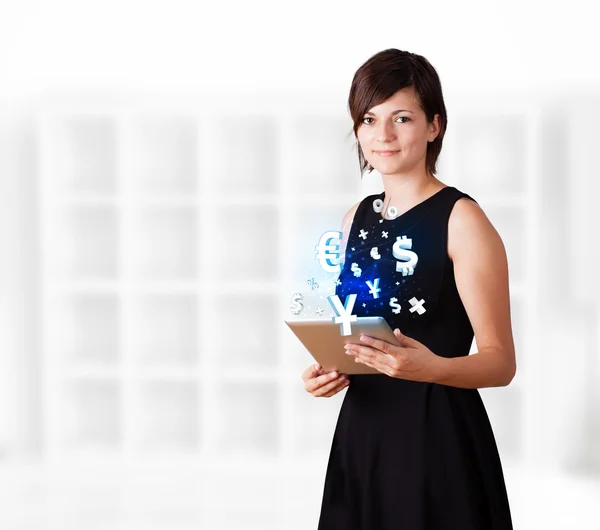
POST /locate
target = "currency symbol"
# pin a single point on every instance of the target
(356, 269)
(297, 306)
(344, 313)
(375, 253)
(399, 251)
(395, 305)
(374, 288)
(328, 250)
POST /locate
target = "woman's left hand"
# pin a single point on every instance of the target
(411, 360)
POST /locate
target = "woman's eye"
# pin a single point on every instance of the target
(399, 117)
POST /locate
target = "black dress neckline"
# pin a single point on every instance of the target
(413, 208)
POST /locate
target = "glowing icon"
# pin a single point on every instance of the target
(297, 306)
(356, 270)
(374, 287)
(417, 305)
(343, 312)
(328, 250)
(384, 234)
(399, 251)
(313, 285)
(394, 305)
(375, 253)
(392, 211)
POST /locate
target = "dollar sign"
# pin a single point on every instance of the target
(395, 305)
(356, 269)
(407, 267)
(297, 306)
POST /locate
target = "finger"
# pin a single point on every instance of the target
(323, 379)
(378, 344)
(328, 378)
(316, 370)
(334, 392)
(405, 340)
(311, 372)
(327, 388)
(376, 363)
(331, 388)
(365, 351)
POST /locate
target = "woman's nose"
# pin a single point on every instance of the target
(385, 133)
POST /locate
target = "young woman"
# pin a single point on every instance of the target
(413, 448)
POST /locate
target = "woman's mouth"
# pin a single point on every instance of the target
(386, 153)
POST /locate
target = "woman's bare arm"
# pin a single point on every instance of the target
(481, 274)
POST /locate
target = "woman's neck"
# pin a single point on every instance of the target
(405, 192)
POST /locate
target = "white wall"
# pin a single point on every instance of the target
(191, 46)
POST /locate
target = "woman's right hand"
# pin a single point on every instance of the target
(321, 384)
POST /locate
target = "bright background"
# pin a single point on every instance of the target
(165, 165)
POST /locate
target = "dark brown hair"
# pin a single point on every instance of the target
(380, 77)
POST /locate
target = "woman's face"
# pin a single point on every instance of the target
(406, 133)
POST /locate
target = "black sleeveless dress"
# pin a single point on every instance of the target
(411, 455)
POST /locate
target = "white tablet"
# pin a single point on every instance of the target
(324, 341)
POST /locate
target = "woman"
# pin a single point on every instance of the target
(413, 448)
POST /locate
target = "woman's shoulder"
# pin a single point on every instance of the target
(465, 210)
(349, 216)
(460, 194)
(468, 223)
